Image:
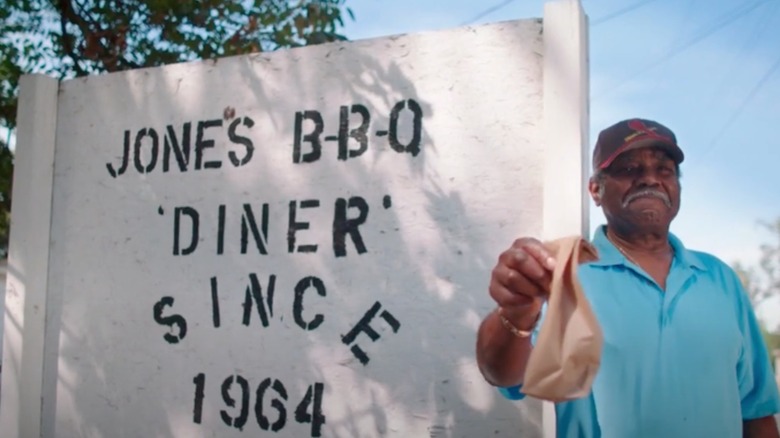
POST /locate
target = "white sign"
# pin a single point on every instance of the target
(292, 244)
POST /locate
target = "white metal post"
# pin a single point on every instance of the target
(28, 259)
(566, 119)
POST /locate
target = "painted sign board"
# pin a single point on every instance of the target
(291, 244)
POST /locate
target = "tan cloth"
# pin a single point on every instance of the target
(567, 353)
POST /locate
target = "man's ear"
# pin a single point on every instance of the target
(593, 188)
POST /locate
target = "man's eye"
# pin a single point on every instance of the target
(624, 170)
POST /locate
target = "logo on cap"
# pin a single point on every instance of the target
(641, 129)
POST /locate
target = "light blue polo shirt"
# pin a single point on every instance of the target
(689, 362)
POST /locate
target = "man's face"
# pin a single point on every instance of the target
(640, 189)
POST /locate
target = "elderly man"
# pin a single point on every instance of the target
(683, 355)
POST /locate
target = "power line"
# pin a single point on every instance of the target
(685, 18)
(760, 84)
(750, 42)
(728, 18)
(619, 12)
(488, 11)
(723, 21)
(598, 21)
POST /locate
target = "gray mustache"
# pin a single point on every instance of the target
(648, 192)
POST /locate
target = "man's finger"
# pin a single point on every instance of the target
(540, 253)
(521, 283)
(525, 266)
(506, 298)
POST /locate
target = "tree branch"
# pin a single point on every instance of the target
(109, 53)
(66, 13)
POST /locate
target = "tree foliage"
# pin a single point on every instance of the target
(763, 281)
(772, 341)
(70, 38)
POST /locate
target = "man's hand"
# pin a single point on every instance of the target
(764, 427)
(521, 279)
(518, 284)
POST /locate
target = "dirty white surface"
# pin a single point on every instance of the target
(435, 219)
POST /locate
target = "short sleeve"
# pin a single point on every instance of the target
(757, 385)
(515, 392)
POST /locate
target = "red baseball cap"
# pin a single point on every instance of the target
(633, 134)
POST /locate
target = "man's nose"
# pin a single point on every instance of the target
(649, 177)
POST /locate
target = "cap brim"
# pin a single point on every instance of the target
(674, 151)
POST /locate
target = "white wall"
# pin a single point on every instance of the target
(434, 217)
(3, 270)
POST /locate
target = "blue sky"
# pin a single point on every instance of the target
(708, 69)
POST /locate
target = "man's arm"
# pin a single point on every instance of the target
(501, 355)
(765, 427)
(518, 284)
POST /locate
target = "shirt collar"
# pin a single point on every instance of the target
(609, 255)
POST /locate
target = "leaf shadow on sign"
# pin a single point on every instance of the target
(419, 285)
(431, 376)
